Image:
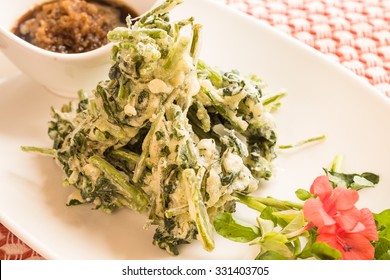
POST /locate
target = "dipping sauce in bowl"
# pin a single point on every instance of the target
(71, 26)
(62, 63)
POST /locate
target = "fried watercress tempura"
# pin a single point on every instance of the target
(166, 134)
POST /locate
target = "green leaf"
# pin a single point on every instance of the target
(385, 256)
(382, 249)
(235, 230)
(271, 255)
(265, 225)
(382, 219)
(286, 216)
(307, 250)
(275, 236)
(267, 214)
(352, 181)
(383, 224)
(297, 223)
(303, 194)
(382, 246)
(275, 242)
(139, 200)
(324, 252)
(281, 218)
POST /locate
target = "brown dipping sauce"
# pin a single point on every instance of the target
(71, 26)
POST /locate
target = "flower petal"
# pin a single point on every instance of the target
(359, 228)
(367, 219)
(360, 247)
(328, 229)
(314, 212)
(342, 199)
(331, 240)
(321, 187)
(348, 219)
(353, 246)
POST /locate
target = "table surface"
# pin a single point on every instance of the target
(355, 33)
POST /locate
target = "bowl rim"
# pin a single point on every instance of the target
(103, 50)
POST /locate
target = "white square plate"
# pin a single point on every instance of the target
(324, 98)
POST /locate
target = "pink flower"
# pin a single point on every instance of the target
(340, 224)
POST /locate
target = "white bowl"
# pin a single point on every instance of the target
(63, 74)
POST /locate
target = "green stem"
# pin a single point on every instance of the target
(195, 45)
(203, 135)
(336, 164)
(161, 9)
(197, 208)
(259, 203)
(41, 151)
(297, 246)
(274, 98)
(140, 167)
(239, 124)
(303, 142)
(135, 195)
(125, 155)
(251, 203)
(215, 77)
(169, 213)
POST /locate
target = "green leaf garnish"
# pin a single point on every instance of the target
(235, 230)
(324, 252)
(303, 194)
(382, 246)
(352, 181)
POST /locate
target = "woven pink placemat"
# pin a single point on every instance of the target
(355, 33)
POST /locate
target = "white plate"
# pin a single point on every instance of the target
(324, 98)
